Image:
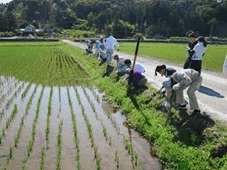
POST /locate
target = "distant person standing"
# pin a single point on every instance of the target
(198, 53)
(110, 43)
(189, 47)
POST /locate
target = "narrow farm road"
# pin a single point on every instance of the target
(212, 95)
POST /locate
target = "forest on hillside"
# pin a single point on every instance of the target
(123, 18)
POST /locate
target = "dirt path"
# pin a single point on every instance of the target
(211, 96)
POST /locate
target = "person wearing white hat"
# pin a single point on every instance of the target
(179, 81)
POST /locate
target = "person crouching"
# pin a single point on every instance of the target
(179, 81)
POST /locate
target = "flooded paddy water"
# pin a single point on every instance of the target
(66, 127)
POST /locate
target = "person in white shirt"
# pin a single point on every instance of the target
(198, 53)
(110, 43)
(139, 67)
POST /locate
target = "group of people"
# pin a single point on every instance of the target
(188, 78)
(104, 49)
(177, 81)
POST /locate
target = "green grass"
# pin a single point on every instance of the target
(176, 53)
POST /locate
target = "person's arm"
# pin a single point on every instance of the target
(184, 80)
(117, 44)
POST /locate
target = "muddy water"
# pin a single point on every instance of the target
(109, 132)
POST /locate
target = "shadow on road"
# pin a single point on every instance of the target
(210, 92)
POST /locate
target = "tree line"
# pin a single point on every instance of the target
(123, 18)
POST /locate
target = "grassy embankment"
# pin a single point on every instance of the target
(176, 53)
(185, 144)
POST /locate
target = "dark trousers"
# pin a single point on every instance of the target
(196, 65)
(187, 63)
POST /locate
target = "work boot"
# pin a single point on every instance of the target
(180, 107)
(195, 113)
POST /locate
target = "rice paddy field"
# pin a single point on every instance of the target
(51, 117)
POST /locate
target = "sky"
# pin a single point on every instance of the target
(4, 1)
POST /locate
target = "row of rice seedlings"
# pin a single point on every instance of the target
(112, 120)
(16, 140)
(68, 61)
(30, 100)
(76, 139)
(48, 117)
(9, 88)
(59, 139)
(25, 92)
(8, 122)
(10, 154)
(42, 161)
(32, 140)
(68, 71)
(104, 131)
(10, 101)
(19, 132)
(90, 133)
(12, 116)
(96, 96)
(103, 126)
(51, 68)
(129, 148)
(90, 102)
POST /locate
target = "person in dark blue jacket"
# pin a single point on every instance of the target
(167, 72)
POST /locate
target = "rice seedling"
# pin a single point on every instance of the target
(10, 155)
(98, 162)
(30, 100)
(23, 95)
(59, 143)
(117, 159)
(43, 154)
(3, 132)
(110, 140)
(13, 114)
(96, 151)
(74, 129)
(104, 131)
(16, 140)
(48, 117)
(10, 101)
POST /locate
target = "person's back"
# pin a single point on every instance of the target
(169, 72)
(139, 80)
(110, 43)
(139, 67)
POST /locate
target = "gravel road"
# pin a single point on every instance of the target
(211, 95)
